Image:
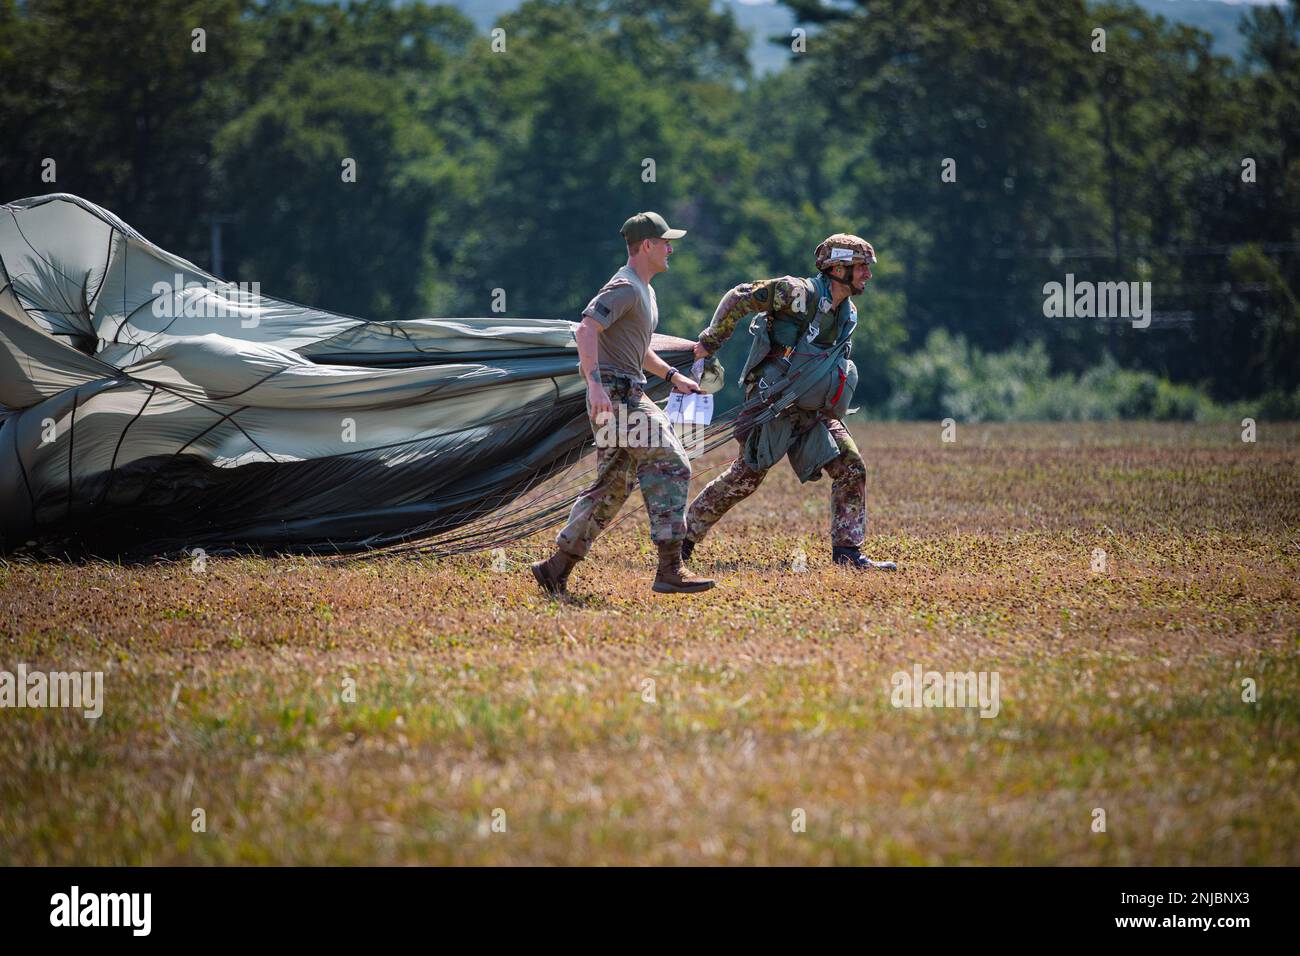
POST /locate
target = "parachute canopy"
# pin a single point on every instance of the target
(147, 406)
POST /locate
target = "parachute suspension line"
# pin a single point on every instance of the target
(547, 509)
(424, 539)
(492, 526)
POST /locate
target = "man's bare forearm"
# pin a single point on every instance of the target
(655, 365)
(586, 336)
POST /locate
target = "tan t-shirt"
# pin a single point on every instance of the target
(627, 312)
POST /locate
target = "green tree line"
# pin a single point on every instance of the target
(986, 148)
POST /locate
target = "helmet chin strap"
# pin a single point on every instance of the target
(848, 282)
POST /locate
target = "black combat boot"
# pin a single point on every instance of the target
(553, 573)
(675, 578)
(688, 548)
(852, 557)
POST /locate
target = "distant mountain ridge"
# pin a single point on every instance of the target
(1220, 20)
(766, 20)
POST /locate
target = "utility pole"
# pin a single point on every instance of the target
(216, 221)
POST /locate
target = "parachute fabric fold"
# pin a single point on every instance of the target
(150, 407)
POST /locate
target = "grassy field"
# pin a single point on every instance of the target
(1120, 689)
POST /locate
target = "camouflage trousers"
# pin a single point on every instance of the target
(639, 445)
(848, 493)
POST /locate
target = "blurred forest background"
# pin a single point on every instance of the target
(479, 170)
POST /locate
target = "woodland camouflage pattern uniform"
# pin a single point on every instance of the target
(663, 470)
(848, 493)
(788, 299)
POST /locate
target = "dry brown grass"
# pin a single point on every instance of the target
(1119, 690)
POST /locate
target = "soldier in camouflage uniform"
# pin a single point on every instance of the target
(820, 311)
(634, 439)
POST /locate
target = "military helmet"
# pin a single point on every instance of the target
(843, 249)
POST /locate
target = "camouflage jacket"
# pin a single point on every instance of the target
(789, 302)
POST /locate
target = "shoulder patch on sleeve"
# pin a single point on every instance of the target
(610, 302)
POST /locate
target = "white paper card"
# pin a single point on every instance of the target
(690, 409)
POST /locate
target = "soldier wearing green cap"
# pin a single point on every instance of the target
(614, 353)
(813, 316)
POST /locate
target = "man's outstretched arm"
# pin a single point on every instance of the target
(743, 300)
(655, 365)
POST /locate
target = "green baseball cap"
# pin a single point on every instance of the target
(649, 225)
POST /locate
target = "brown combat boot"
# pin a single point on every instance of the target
(675, 578)
(553, 573)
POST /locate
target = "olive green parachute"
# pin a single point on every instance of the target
(147, 406)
